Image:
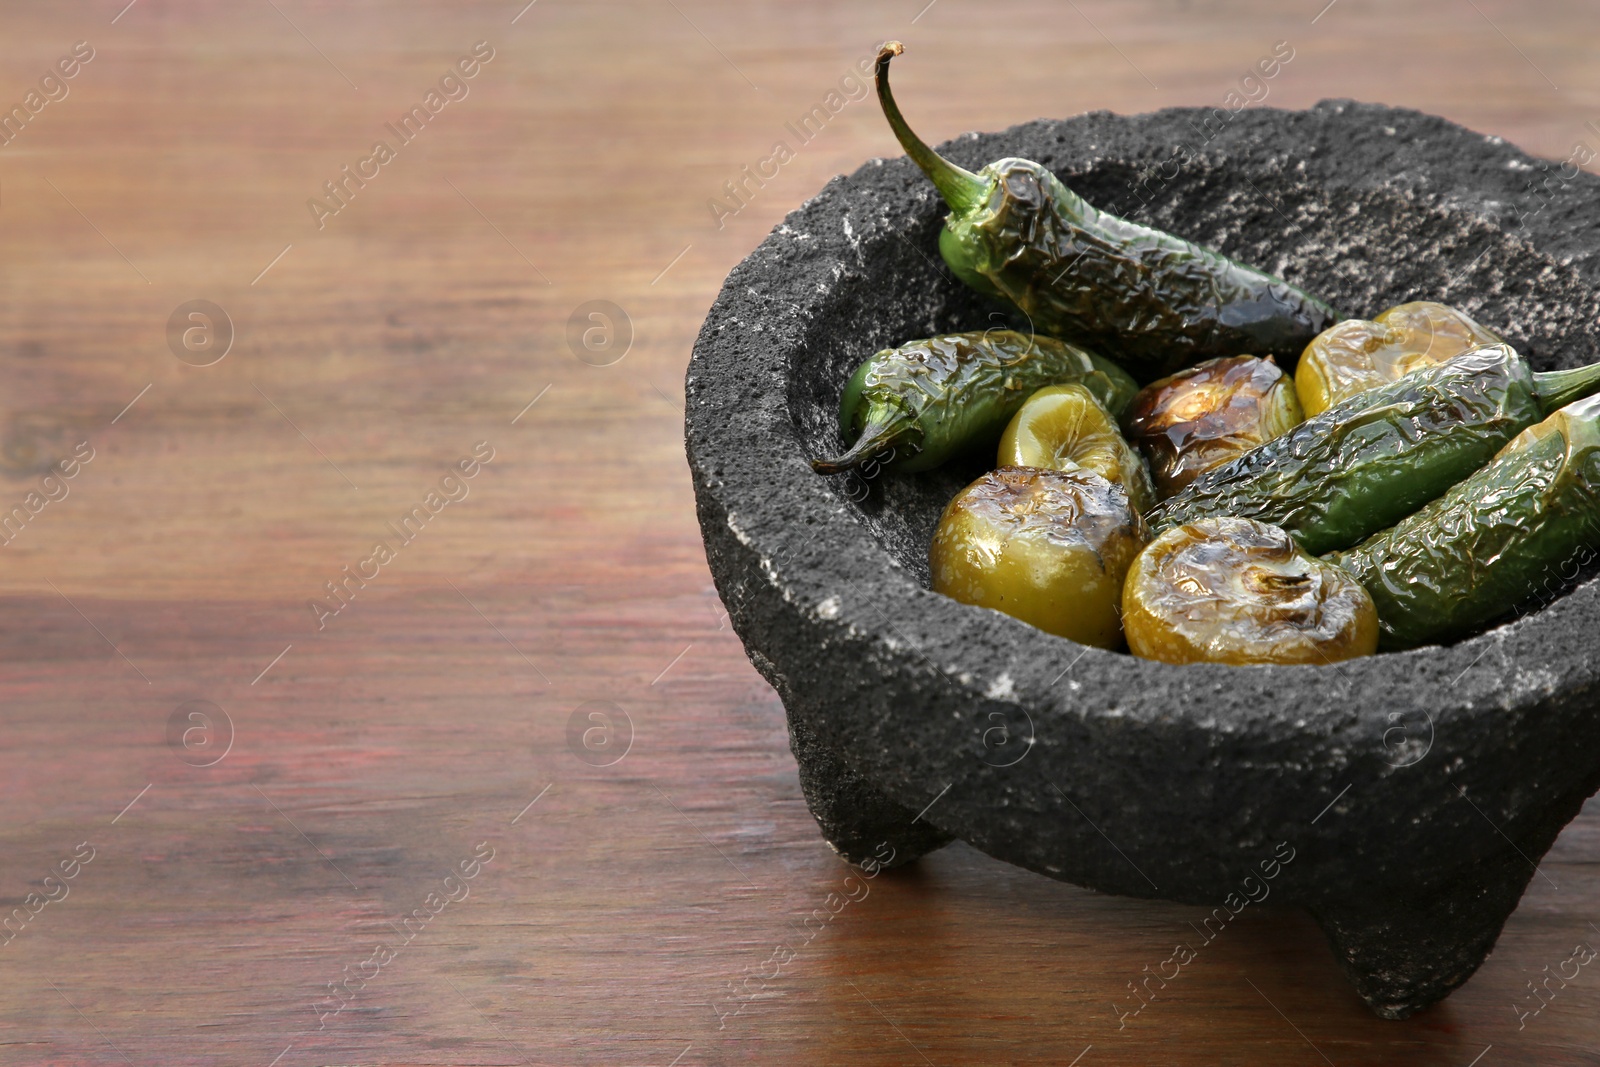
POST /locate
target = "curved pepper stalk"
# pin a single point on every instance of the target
(886, 427)
(963, 190)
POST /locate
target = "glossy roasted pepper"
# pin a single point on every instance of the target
(1492, 542)
(1048, 547)
(1241, 591)
(1358, 354)
(1064, 426)
(1155, 300)
(928, 400)
(1370, 461)
(1119, 387)
(1206, 415)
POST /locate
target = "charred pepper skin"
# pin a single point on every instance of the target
(1156, 300)
(1119, 386)
(928, 400)
(1366, 463)
(1492, 542)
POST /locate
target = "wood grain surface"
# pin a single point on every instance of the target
(284, 880)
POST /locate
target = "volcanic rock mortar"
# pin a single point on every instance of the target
(1402, 800)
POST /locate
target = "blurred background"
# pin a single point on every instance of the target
(508, 791)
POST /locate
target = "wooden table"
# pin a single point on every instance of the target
(282, 880)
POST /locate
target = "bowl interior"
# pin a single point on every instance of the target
(1362, 250)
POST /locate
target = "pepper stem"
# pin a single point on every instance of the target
(1558, 388)
(887, 429)
(961, 189)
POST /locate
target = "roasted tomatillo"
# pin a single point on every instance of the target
(1064, 426)
(1357, 355)
(1155, 301)
(1239, 591)
(1048, 547)
(1206, 415)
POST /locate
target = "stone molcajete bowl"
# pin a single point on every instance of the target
(1411, 793)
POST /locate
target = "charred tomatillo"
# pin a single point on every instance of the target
(1204, 416)
(1240, 591)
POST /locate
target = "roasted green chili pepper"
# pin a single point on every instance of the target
(1157, 301)
(928, 400)
(1368, 462)
(1118, 389)
(1492, 541)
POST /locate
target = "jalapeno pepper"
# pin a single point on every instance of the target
(1368, 462)
(1491, 542)
(1117, 389)
(1157, 301)
(1356, 354)
(930, 399)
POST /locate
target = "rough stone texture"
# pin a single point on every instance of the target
(1416, 789)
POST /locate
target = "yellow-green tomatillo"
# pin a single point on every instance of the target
(1064, 426)
(1356, 354)
(1240, 591)
(1048, 547)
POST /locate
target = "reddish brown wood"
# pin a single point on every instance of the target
(376, 755)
